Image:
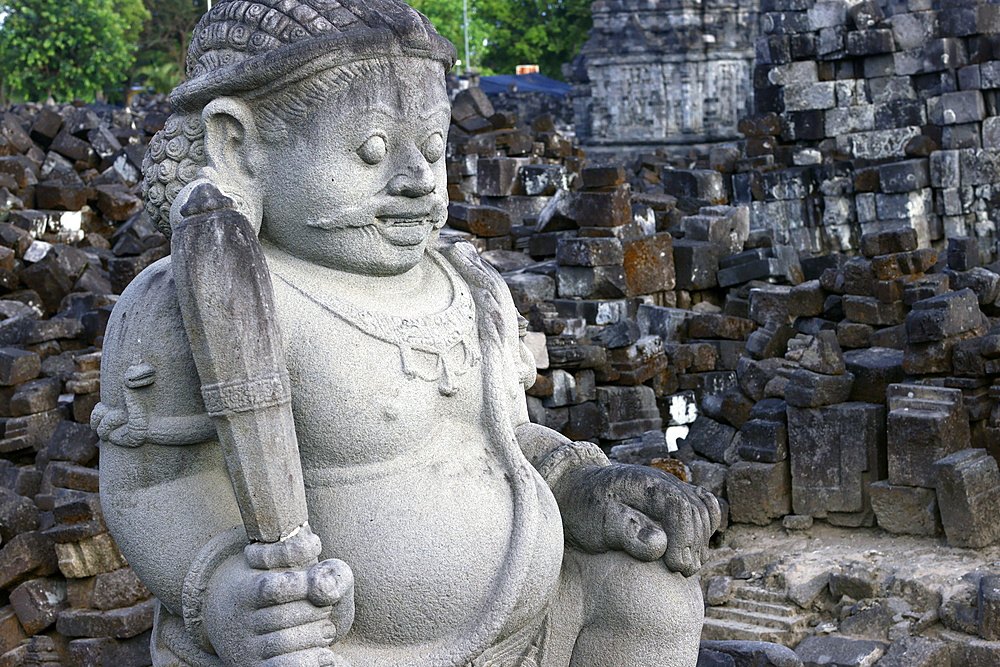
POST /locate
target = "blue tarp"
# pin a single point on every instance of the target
(535, 82)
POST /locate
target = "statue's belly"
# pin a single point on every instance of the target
(429, 543)
(405, 485)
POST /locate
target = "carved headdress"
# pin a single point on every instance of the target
(253, 47)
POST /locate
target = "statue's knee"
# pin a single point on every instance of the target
(640, 594)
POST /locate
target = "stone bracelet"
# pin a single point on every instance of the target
(570, 455)
(199, 576)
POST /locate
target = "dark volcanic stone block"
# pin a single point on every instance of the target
(968, 490)
(943, 316)
(807, 389)
(830, 449)
(924, 425)
(758, 492)
(712, 439)
(905, 510)
(827, 650)
(874, 370)
(696, 264)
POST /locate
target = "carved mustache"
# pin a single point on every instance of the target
(363, 216)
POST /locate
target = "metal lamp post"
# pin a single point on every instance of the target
(465, 16)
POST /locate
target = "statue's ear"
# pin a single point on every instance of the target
(235, 154)
(232, 143)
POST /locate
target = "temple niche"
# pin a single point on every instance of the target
(665, 71)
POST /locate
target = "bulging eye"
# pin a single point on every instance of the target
(433, 148)
(373, 151)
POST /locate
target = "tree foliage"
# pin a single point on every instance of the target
(67, 48)
(166, 37)
(506, 33)
(546, 33)
(448, 17)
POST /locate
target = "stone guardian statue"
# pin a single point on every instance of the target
(315, 443)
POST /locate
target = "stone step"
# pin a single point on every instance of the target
(724, 629)
(760, 595)
(764, 621)
(783, 610)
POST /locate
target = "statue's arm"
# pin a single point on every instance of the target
(163, 504)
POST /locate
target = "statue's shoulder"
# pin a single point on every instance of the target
(148, 376)
(478, 273)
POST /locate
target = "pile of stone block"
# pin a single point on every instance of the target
(73, 234)
(870, 115)
(664, 326)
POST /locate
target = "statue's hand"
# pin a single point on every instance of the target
(643, 511)
(279, 617)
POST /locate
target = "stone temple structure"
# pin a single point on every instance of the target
(665, 71)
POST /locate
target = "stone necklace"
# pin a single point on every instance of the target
(436, 334)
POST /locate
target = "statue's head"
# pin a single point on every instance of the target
(324, 120)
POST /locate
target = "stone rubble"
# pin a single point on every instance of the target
(73, 234)
(854, 390)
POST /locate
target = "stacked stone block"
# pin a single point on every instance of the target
(870, 119)
(73, 234)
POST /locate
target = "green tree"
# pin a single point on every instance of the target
(134, 17)
(64, 48)
(546, 33)
(166, 37)
(448, 18)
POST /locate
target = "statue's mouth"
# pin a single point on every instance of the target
(406, 229)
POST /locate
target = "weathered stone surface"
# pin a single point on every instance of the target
(486, 221)
(119, 623)
(871, 311)
(820, 353)
(627, 412)
(649, 264)
(110, 652)
(590, 252)
(924, 424)
(720, 326)
(17, 366)
(758, 492)
(808, 389)
(874, 369)
(696, 264)
(38, 602)
(968, 491)
(907, 510)
(916, 652)
(88, 557)
(943, 316)
(806, 299)
(989, 607)
(833, 451)
(600, 282)
(830, 651)
(11, 632)
(725, 226)
(712, 439)
(25, 555)
(763, 440)
(530, 288)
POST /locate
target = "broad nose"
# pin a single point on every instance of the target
(414, 178)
